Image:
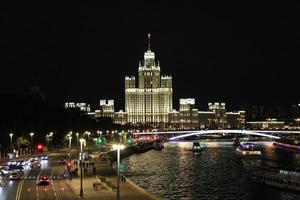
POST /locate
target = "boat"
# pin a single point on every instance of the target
(197, 147)
(236, 142)
(248, 149)
(158, 145)
(281, 178)
(287, 144)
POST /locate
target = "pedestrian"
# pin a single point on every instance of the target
(94, 169)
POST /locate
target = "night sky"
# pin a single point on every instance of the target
(240, 53)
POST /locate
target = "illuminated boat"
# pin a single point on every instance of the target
(281, 178)
(197, 147)
(290, 145)
(248, 149)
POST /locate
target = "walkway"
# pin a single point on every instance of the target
(128, 190)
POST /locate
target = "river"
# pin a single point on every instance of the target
(216, 173)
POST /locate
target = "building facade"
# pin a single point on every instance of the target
(106, 109)
(151, 101)
(189, 118)
(81, 106)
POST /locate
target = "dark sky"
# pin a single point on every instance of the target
(240, 53)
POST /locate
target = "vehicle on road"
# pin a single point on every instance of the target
(44, 157)
(15, 176)
(12, 162)
(36, 165)
(44, 180)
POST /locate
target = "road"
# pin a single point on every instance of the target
(27, 187)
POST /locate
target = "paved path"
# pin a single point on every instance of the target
(128, 190)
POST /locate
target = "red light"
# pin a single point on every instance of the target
(39, 146)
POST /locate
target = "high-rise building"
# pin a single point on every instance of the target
(151, 101)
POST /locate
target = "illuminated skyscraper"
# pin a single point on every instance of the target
(151, 101)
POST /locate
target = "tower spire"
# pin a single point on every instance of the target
(149, 37)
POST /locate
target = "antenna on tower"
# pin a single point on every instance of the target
(149, 37)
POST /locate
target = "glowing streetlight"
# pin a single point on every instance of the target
(81, 142)
(88, 134)
(118, 147)
(31, 137)
(11, 144)
(51, 135)
(77, 135)
(70, 142)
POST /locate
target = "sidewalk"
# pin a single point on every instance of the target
(128, 190)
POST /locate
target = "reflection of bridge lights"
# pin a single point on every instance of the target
(212, 144)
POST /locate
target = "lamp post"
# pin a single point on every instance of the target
(118, 147)
(88, 139)
(81, 142)
(70, 145)
(51, 135)
(11, 144)
(77, 134)
(31, 135)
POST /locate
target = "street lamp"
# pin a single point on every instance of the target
(70, 142)
(81, 142)
(77, 134)
(51, 135)
(118, 147)
(11, 144)
(31, 135)
(88, 134)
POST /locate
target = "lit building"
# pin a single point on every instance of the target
(215, 118)
(207, 120)
(220, 113)
(151, 101)
(268, 124)
(187, 117)
(120, 117)
(106, 109)
(81, 106)
(235, 120)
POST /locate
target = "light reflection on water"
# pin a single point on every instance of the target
(216, 173)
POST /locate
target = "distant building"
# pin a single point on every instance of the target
(220, 113)
(151, 101)
(106, 109)
(81, 106)
(120, 117)
(268, 124)
(188, 117)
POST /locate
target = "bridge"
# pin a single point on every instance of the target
(183, 134)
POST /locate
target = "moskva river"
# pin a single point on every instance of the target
(216, 173)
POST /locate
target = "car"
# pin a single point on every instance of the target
(22, 163)
(12, 162)
(36, 165)
(62, 161)
(35, 158)
(44, 157)
(44, 180)
(15, 176)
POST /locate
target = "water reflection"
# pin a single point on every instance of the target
(216, 173)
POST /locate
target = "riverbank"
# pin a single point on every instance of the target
(108, 181)
(130, 150)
